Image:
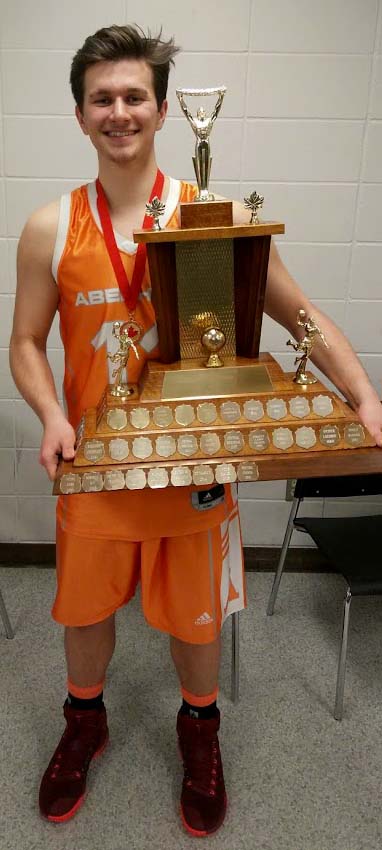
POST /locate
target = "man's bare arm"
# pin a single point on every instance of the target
(36, 305)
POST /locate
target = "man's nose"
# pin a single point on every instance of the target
(120, 109)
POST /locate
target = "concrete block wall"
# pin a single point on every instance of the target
(301, 123)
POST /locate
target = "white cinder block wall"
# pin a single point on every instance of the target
(301, 123)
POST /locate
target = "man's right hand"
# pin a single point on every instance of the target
(58, 442)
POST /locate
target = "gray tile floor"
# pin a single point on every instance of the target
(297, 779)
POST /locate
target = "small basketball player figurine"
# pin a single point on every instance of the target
(121, 331)
(312, 331)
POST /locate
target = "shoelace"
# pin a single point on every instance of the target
(75, 752)
(201, 767)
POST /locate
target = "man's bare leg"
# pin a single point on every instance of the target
(88, 651)
(197, 665)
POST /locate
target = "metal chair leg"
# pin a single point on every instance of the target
(338, 708)
(4, 616)
(235, 658)
(279, 572)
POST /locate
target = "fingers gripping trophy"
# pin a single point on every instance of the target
(202, 125)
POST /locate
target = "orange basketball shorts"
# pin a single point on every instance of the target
(190, 584)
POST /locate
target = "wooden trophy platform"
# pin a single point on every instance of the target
(171, 435)
(186, 423)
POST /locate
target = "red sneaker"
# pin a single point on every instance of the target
(203, 802)
(63, 785)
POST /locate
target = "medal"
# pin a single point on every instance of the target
(132, 329)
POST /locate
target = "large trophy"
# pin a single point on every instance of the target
(213, 409)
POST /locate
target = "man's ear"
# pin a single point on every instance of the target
(162, 112)
(81, 120)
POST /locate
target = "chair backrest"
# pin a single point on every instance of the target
(343, 485)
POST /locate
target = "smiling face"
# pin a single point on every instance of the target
(120, 113)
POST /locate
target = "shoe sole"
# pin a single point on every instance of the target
(81, 800)
(203, 833)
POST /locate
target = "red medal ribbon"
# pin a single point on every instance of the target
(130, 291)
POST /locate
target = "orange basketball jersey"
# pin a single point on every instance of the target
(90, 302)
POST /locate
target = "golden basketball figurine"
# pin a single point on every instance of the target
(312, 331)
(122, 332)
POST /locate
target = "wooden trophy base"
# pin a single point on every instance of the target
(187, 424)
(206, 214)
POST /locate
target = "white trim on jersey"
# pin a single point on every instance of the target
(232, 566)
(62, 232)
(123, 244)
(126, 244)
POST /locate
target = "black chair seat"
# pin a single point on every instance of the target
(353, 546)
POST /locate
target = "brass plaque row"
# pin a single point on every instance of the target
(209, 443)
(207, 413)
(157, 477)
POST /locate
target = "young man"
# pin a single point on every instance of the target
(106, 542)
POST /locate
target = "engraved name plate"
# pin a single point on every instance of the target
(299, 407)
(142, 447)
(253, 410)
(354, 434)
(225, 473)
(202, 474)
(282, 438)
(116, 419)
(92, 482)
(258, 440)
(184, 414)
(118, 448)
(233, 441)
(206, 412)
(305, 437)
(114, 479)
(162, 416)
(157, 478)
(140, 417)
(165, 446)
(230, 411)
(247, 471)
(209, 444)
(135, 479)
(329, 435)
(70, 483)
(276, 408)
(94, 450)
(187, 445)
(181, 476)
(322, 405)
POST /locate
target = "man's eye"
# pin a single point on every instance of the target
(102, 101)
(134, 99)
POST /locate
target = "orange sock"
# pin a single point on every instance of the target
(89, 692)
(200, 701)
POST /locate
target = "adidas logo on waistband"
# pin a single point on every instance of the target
(204, 619)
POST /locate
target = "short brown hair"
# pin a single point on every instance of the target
(111, 44)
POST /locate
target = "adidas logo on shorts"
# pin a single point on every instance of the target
(204, 619)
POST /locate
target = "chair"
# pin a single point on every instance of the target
(4, 616)
(235, 658)
(351, 544)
